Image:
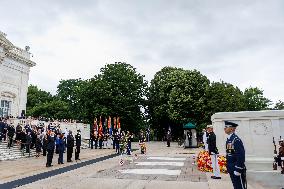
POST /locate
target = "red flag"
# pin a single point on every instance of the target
(95, 124)
(118, 123)
(114, 123)
(101, 126)
(109, 122)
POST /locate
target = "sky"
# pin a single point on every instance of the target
(239, 42)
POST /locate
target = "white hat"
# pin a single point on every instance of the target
(209, 126)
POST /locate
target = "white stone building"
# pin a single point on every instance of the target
(15, 66)
(256, 129)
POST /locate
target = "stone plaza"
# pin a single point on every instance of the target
(160, 167)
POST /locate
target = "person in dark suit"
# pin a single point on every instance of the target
(78, 144)
(169, 138)
(28, 142)
(50, 149)
(213, 152)
(11, 133)
(235, 156)
(70, 145)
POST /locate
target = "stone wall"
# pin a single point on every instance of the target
(256, 129)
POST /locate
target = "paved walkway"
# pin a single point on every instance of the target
(161, 167)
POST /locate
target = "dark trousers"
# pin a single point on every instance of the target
(96, 143)
(27, 148)
(57, 149)
(44, 151)
(92, 143)
(128, 148)
(10, 142)
(69, 153)
(60, 157)
(101, 143)
(238, 181)
(4, 136)
(168, 143)
(113, 144)
(49, 157)
(77, 152)
(117, 147)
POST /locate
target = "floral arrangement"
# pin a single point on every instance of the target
(204, 162)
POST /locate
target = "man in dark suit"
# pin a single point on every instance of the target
(70, 145)
(78, 144)
(50, 149)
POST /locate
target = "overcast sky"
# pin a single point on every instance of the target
(240, 42)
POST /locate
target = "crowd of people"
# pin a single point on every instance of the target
(46, 140)
(116, 139)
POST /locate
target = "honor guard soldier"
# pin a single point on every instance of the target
(235, 156)
(213, 152)
(78, 144)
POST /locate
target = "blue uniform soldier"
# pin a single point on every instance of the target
(235, 156)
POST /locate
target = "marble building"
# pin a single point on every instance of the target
(15, 64)
(256, 129)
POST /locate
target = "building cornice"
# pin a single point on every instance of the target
(13, 52)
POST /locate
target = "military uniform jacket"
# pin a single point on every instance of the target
(78, 139)
(212, 143)
(235, 154)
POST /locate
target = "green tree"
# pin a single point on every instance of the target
(187, 97)
(70, 91)
(158, 100)
(222, 97)
(36, 96)
(279, 105)
(117, 91)
(176, 96)
(56, 109)
(254, 99)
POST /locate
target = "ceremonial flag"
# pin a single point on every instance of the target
(118, 123)
(95, 124)
(109, 122)
(101, 126)
(114, 123)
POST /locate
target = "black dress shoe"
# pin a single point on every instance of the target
(212, 177)
(217, 178)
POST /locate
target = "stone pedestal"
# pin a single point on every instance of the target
(256, 129)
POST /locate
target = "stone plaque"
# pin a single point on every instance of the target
(261, 127)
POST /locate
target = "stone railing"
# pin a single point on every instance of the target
(20, 52)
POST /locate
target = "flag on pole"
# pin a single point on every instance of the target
(101, 126)
(118, 123)
(114, 123)
(109, 122)
(95, 124)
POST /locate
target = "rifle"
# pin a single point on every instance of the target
(275, 156)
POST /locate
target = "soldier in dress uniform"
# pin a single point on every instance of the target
(213, 152)
(235, 156)
(78, 144)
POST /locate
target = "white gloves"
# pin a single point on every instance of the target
(237, 173)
